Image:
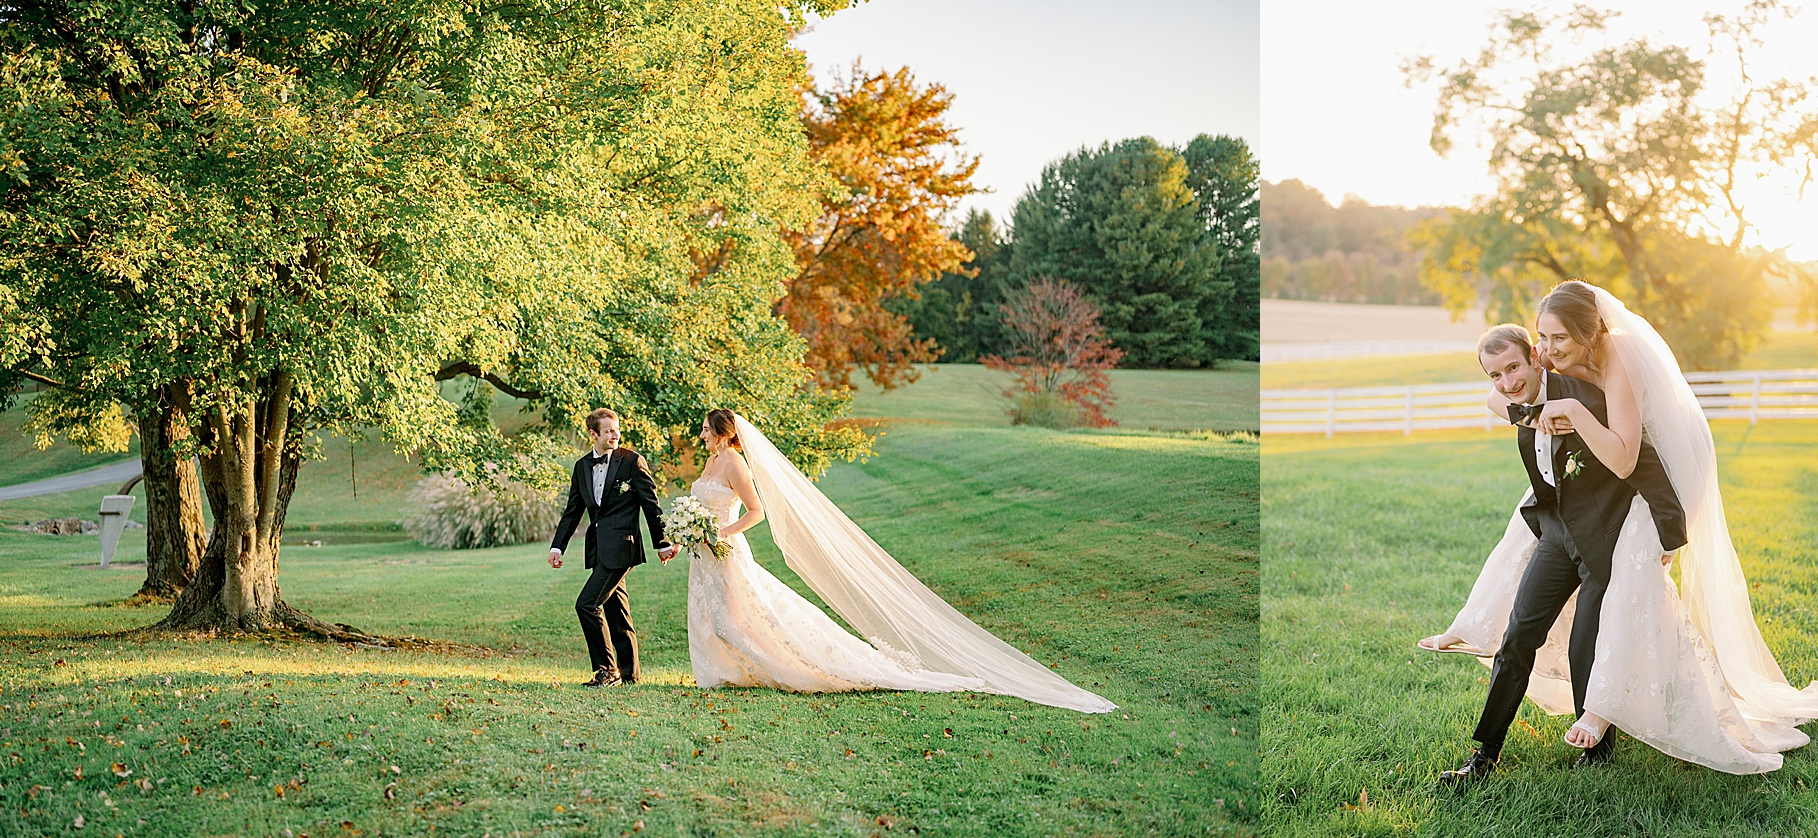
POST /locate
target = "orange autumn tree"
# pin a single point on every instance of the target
(895, 170)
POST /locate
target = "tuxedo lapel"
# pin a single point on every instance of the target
(612, 469)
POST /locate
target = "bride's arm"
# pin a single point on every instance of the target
(741, 483)
(1618, 444)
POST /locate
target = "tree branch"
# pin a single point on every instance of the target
(469, 368)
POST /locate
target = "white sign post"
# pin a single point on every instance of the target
(114, 509)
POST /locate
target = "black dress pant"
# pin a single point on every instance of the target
(605, 609)
(1554, 573)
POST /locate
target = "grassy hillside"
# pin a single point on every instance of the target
(1224, 399)
(1127, 560)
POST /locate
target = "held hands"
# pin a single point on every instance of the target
(555, 558)
(1556, 416)
(664, 554)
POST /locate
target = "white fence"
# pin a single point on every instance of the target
(1750, 394)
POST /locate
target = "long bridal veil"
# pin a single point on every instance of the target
(1715, 593)
(885, 603)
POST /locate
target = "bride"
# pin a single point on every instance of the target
(747, 628)
(1684, 670)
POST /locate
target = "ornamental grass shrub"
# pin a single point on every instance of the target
(448, 514)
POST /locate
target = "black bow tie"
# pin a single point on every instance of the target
(595, 459)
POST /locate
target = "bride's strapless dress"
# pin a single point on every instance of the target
(746, 628)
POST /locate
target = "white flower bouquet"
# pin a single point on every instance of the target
(688, 525)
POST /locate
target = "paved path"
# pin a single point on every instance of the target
(114, 475)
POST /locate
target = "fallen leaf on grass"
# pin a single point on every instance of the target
(120, 770)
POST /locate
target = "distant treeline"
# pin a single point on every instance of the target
(1163, 240)
(1355, 252)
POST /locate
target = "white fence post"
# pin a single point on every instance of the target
(1407, 428)
(1331, 412)
(1755, 402)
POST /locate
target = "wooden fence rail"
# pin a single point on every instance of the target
(1744, 394)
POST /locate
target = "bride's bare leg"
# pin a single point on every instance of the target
(1588, 731)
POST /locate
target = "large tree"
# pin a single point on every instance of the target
(1225, 178)
(1124, 222)
(301, 219)
(1618, 163)
(895, 171)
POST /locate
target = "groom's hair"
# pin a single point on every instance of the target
(1500, 338)
(595, 418)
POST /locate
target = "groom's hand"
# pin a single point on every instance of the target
(664, 554)
(1666, 559)
(555, 558)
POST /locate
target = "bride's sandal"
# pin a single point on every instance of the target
(1592, 726)
(1455, 646)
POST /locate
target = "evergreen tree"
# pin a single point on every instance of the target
(1124, 223)
(1225, 177)
(959, 311)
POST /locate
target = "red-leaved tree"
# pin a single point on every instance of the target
(1058, 353)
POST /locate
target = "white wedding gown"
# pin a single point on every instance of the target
(747, 628)
(1690, 677)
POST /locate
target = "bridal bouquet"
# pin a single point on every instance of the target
(688, 524)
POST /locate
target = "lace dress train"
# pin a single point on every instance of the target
(746, 628)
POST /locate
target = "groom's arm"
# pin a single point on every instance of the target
(645, 485)
(1650, 480)
(571, 517)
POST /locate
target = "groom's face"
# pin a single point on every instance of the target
(607, 437)
(1515, 371)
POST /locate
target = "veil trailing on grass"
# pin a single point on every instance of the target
(1715, 593)
(885, 603)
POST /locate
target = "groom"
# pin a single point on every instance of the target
(612, 484)
(1576, 510)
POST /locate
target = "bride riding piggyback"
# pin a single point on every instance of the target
(1575, 606)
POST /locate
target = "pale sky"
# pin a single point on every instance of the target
(1036, 79)
(1337, 115)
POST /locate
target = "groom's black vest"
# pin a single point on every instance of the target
(1594, 502)
(612, 529)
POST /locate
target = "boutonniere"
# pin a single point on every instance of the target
(1574, 464)
(624, 487)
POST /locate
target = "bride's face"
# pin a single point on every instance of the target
(710, 439)
(1558, 346)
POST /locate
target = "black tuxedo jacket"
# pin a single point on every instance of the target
(1594, 502)
(612, 524)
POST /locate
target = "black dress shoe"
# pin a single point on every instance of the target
(1474, 768)
(603, 678)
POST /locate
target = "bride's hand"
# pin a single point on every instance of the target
(1556, 416)
(725, 533)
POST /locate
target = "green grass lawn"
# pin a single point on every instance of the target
(1126, 559)
(1224, 399)
(1373, 542)
(1776, 351)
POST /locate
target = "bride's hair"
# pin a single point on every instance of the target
(719, 420)
(1575, 304)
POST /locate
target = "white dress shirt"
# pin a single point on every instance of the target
(1543, 443)
(599, 478)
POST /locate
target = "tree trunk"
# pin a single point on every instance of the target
(249, 468)
(174, 539)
